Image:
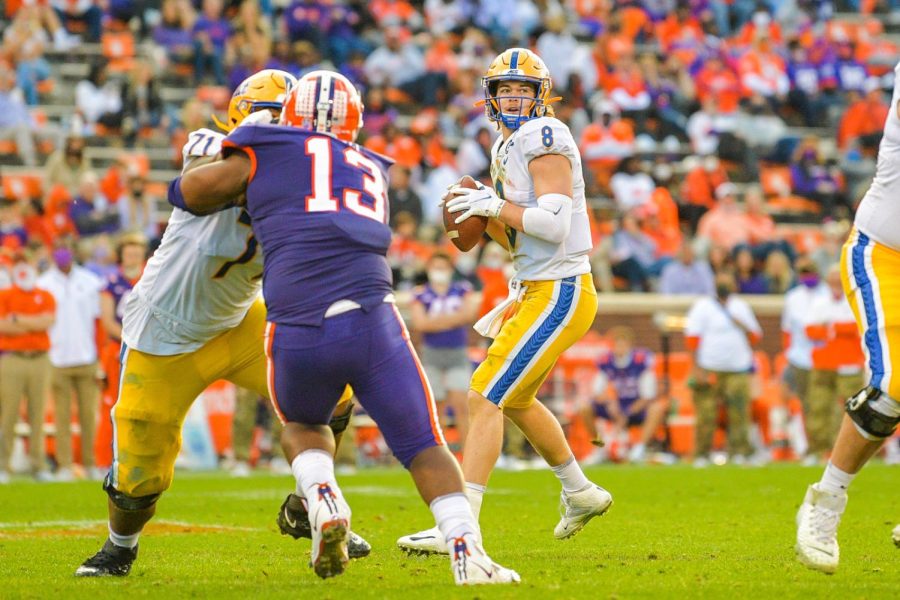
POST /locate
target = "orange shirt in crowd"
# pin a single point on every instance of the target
(861, 118)
(724, 227)
(15, 301)
(721, 83)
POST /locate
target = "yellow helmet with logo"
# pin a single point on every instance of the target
(518, 64)
(265, 89)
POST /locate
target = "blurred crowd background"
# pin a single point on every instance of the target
(718, 137)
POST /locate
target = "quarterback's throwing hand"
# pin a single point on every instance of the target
(482, 202)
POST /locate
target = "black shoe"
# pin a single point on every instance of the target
(295, 523)
(112, 560)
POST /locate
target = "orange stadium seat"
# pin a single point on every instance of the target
(119, 49)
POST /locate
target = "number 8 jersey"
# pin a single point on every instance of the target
(201, 280)
(319, 208)
(536, 259)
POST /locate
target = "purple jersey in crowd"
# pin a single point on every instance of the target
(625, 380)
(448, 303)
(118, 286)
(322, 244)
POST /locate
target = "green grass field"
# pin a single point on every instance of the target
(673, 532)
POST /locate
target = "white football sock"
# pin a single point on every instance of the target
(475, 495)
(571, 476)
(123, 541)
(453, 516)
(312, 468)
(834, 480)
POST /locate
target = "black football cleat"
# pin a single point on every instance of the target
(295, 523)
(110, 561)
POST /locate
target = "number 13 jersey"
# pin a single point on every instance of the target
(534, 258)
(319, 208)
(202, 279)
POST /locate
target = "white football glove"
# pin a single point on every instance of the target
(482, 202)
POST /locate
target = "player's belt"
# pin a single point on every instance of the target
(342, 306)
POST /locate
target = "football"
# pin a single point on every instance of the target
(465, 235)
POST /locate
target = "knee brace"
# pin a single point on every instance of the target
(127, 502)
(339, 424)
(874, 413)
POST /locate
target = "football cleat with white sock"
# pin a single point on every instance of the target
(472, 566)
(577, 508)
(329, 517)
(817, 524)
(430, 541)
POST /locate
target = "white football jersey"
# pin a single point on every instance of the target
(879, 212)
(201, 280)
(534, 258)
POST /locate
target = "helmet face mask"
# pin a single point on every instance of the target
(517, 65)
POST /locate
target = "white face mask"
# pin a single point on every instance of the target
(439, 277)
(24, 276)
(5, 279)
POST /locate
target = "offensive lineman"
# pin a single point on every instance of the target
(194, 317)
(538, 211)
(870, 270)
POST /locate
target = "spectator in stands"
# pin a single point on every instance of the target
(722, 331)
(798, 346)
(174, 33)
(687, 275)
(625, 394)
(812, 179)
(26, 313)
(211, 34)
(16, 122)
(634, 255)
(99, 100)
(725, 225)
(142, 105)
(837, 360)
(443, 310)
(80, 15)
(705, 126)
(12, 229)
(631, 187)
(698, 190)
(403, 199)
(73, 354)
(66, 167)
(806, 95)
(400, 64)
(863, 122)
(137, 210)
(91, 211)
(778, 272)
(24, 42)
(746, 274)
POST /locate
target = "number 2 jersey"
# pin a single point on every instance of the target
(202, 279)
(878, 214)
(534, 258)
(319, 209)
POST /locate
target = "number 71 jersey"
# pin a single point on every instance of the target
(201, 280)
(319, 208)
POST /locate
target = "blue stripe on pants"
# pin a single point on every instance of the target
(537, 340)
(872, 340)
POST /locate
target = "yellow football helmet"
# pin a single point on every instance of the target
(518, 64)
(266, 89)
